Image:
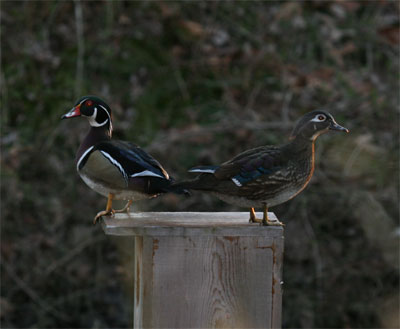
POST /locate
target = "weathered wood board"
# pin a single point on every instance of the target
(203, 270)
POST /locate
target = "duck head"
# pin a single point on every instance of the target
(95, 110)
(315, 123)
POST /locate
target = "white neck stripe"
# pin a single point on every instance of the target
(109, 117)
(83, 156)
(108, 114)
(92, 119)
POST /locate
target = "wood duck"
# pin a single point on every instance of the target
(267, 175)
(114, 168)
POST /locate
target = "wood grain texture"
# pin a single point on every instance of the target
(138, 293)
(203, 280)
(187, 224)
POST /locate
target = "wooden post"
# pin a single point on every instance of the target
(203, 270)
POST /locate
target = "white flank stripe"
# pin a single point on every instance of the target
(147, 173)
(210, 171)
(236, 182)
(83, 156)
(117, 164)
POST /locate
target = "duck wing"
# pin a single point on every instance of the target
(250, 165)
(135, 161)
(124, 165)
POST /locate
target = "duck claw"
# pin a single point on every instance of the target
(103, 213)
(255, 220)
(125, 209)
(272, 223)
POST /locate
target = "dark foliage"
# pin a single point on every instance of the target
(195, 83)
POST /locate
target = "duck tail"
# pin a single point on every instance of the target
(194, 184)
(173, 187)
(178, 189)
(202, 182)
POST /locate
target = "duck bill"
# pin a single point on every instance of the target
(75, 112)
(335, 126)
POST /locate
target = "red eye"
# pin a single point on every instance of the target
(89, 103)
(321, 117)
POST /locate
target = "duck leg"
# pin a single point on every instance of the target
(253, 217)
(266, 221)
(108, 211)
(126, 208)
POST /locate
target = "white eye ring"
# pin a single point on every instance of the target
(319, 118)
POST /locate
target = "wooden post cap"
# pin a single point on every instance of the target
(188, 224)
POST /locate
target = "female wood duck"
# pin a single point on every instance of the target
(113, 168)
(267, 175)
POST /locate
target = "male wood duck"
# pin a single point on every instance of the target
(267, 175)
(114, 168)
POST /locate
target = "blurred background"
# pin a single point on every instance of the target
(195, 83)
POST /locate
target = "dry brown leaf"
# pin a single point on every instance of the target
(339, 53)
(177, 51)
(217, 61)
(349, 6)
(166, 9)
(124, 20)
(5, 307)
(194, 28)
(321, 77)
(390, 34)
(287, 10)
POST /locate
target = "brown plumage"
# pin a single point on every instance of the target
(267, 175)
